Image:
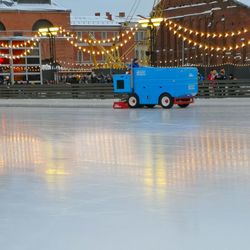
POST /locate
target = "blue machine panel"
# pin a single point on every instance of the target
(122, 83)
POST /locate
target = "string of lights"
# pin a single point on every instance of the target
(28, 69)
(189, 31)
(199, 57)
(187, 60)
(197, 54)
(207, 46)
(33, 40)
(81, 64)
(22, 46)
(7, 56)
(98, 50)
(209, 65)
(15, 46)
(131, 30)
(65, 65)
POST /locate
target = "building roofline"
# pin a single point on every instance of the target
(38, 11)
(13, 6)
(240, 3)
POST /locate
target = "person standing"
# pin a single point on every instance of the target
(222, 75)
(135, 63)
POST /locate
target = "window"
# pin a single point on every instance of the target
(103, 58)
(33, 60)
(142, 36)
(115, 34)
(120, 84)
(104, 35)
(79, 34)
(91, 34)
(139, 36)
(2, 27)
(79, 57)
(17, 33)
(43, 23)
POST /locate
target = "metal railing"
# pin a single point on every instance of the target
(58, 91)
(224, 89)
(207, 89)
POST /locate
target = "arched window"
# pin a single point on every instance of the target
(43, 23)
(2, 27)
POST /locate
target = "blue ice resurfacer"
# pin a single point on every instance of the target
(150, 86)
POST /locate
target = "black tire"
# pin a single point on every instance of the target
(133, 101)
(183, 105)
(150, 106)
(166, 101)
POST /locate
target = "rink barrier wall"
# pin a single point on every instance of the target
(224, 89)
(58, 91)
(207, 89)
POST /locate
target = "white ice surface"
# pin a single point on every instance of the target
(104, 179)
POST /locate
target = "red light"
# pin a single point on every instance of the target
(1, 60)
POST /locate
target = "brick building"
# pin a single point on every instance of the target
(19, 21)
(23, 18)
(214, 32)
(119, 35)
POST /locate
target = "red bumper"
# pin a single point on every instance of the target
(183, 100)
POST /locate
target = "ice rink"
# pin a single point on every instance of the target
(78, 176)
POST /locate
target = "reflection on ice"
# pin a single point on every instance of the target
(161, 157)
(162, 170)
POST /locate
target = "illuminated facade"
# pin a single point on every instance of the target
(24, 18)
(21, 60)
(222, 24)
(32, 15)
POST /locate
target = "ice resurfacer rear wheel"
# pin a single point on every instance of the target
(166, 101)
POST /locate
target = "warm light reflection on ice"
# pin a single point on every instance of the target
(201, 150)
(160, 175)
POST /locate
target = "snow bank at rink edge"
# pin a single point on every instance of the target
(108, 103)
